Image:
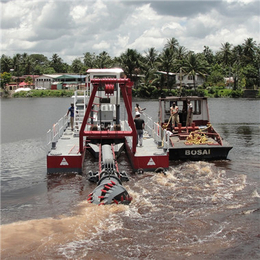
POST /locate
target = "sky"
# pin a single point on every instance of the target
(71, 28)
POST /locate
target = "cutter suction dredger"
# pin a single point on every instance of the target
(109, 180)
(104, 127)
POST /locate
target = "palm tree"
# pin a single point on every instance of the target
(172, 44)
(149, 67)
(208, 53)
(193, 66)
(90, 60)
(103, 60)
(166, 60)
(6, 64)
(17, 64)
(57, 63)
(151, 57)
(249, 49)
(226, 53)
(28, 80)
(226, 56)
(76, 65)
(237, 54)
(130, 62)
(28, 65)
(181, 52)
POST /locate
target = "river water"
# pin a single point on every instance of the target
(199, 210)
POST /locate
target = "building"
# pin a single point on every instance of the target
(20, 82)
(60, 81)
(184, 80)
(188, 80)
(45, 81)
(67, 81)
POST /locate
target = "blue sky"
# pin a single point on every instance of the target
(71, 28)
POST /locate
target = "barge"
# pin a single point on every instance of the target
(194, 140)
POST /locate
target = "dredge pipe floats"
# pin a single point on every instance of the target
(109, 180)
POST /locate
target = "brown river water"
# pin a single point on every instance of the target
(198, 210)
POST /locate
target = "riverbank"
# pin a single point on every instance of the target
(213, 92)
(38, 93)
(210, 92)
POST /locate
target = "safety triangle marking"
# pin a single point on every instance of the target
(151, 162)
(64, 162)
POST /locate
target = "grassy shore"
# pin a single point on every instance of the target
(210, 92)
(44, 93)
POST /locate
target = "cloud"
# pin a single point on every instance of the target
(184, 8)
(71, 28)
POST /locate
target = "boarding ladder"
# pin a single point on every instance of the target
(80, 105)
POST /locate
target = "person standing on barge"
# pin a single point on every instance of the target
(189, 113)
(174, 114)
(139, 124)
(71, 111)
(138, 108)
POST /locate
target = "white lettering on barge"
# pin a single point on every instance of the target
(197, 152)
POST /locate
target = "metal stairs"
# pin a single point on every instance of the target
(80, 105)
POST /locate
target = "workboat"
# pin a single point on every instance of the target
(103, 127)
(196, 140)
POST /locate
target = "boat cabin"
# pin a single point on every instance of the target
(199, 104)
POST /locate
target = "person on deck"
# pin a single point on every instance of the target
(189, 113)
(138, 108)
(71, 111)
(139, 124)
(174, 114)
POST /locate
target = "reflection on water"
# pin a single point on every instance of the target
(246, 133)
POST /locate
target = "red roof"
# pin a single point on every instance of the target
(22, 84)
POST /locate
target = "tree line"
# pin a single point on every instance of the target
(241, 62)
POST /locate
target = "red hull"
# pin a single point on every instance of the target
(148, 163)
(61, 163)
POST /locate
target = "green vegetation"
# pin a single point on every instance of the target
(153, 93)
(44, 93)
(241, 62)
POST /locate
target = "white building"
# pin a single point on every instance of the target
(183, 79)
(187, 80)
(45, 80)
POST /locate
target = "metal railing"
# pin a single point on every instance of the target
(126, 127)
(160, 136)
(148, 123)
(56, 132)
(166, 139)
(154, 130)
(80, 105)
